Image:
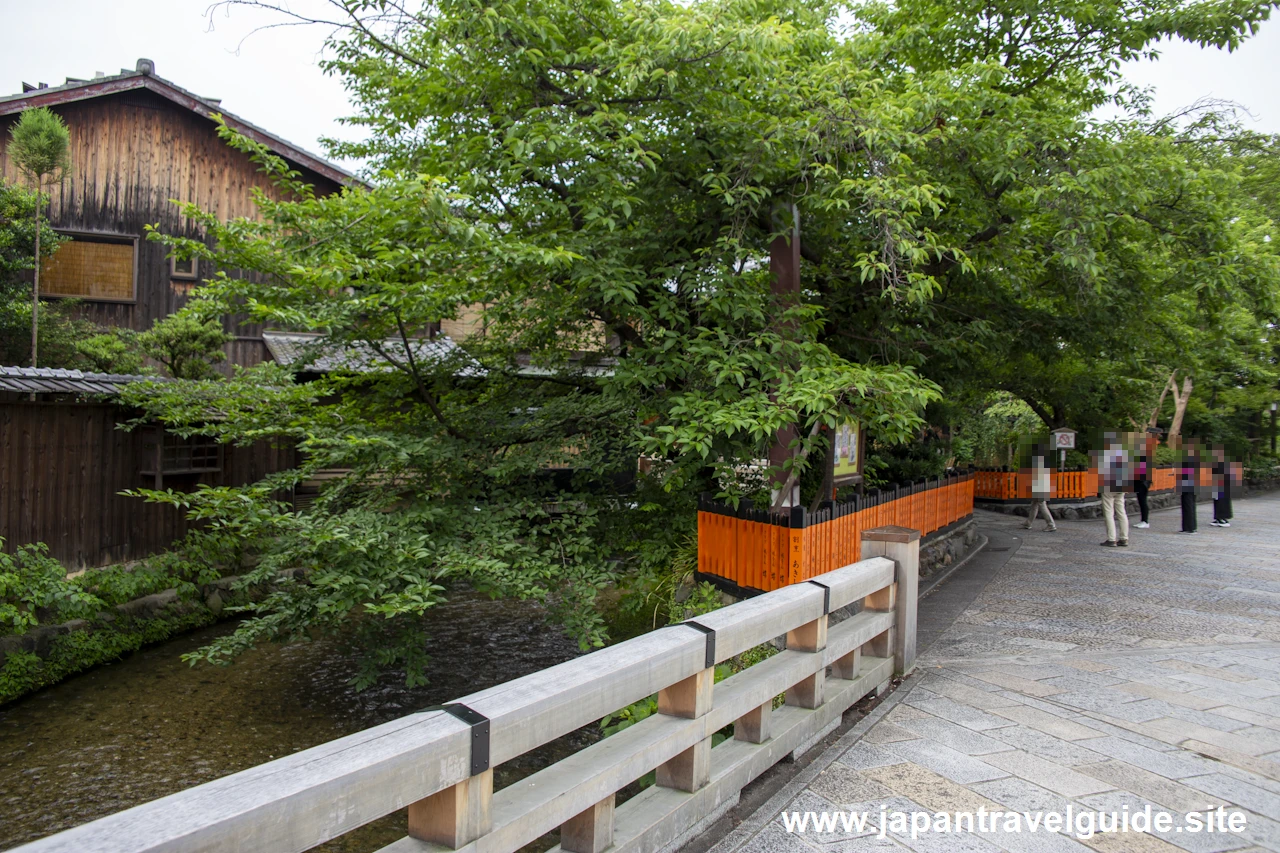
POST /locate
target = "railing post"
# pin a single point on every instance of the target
(902, 545)
(690, 698)
(591, 831)
(809, 637)
(753, 727)
(457, 815)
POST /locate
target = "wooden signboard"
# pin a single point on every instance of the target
(847, 465)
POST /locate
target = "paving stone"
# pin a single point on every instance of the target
(844, 786)
(1047, 746)
(1182, 730)
(1150, 786)
(1245, 715)
(888, 732)
(957, 737)
(864, 844)
(1246, 763)
(931, 790)
(1096, 700)
(1255, 689)
(1211, 719)
(775, 839)
(1081, 681)
(970, 718)
(1132, 842)
(1141, 711)
(947, 762)
(1018, 683)
(1050, 724)
(1021, 795)
(1171, 764)
(984, 700)
(862, 755)
(1261, 830)
(1173, 697)
(1118, 802)
(1089, 665)
(1236, 792)
(1133, 732)
(1046, 774)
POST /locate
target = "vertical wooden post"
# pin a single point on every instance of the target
(753, 727)
(591, 831)
(902, 545)
(457, 815)
(691, 698)
(846, 668)
(809, 637)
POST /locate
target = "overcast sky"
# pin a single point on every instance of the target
(271, 78)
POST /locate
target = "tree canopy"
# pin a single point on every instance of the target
(599, 184)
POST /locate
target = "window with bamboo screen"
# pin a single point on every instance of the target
(96, 267)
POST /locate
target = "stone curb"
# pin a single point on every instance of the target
(978, 547)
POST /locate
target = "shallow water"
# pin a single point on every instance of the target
(149, 725)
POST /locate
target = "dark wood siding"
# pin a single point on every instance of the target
(62, 467)
(133, 153)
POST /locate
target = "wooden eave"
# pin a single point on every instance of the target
(72, 92)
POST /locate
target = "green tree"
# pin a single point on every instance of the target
(604, 179)
(187, 344)
(40, 148)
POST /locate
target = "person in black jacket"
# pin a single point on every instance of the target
(1142, 476)
(1221, 488)
(1188, 483)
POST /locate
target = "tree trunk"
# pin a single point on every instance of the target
(35, 288)
(1179, 404)
(35, 293)
(1155, 413)
(828, 476)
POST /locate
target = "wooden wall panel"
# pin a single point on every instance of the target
(62, 467)
(133, 154)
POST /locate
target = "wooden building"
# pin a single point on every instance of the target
(64, 462)
(138, 142)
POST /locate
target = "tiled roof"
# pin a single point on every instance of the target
(49, 380)
(310, 352)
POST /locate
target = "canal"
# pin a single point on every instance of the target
(150, 725)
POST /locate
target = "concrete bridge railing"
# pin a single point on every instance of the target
(439, 764)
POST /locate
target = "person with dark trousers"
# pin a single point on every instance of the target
(1221, 489)
(1142, 476)
(1188, 481)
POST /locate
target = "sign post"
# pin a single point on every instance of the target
(1064, 439)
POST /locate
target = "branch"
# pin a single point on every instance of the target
(790, 484)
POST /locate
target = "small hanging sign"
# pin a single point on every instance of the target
(847, 463)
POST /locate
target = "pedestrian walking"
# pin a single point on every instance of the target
(1117, 477)
(1143, 473)
(1221, 488)
(1041, 488)
(1188, 483)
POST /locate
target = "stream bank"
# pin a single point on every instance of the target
(149, 725)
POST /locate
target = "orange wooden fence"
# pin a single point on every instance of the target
(995, 485)
(758, 549)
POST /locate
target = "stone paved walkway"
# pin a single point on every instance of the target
(1092, 677)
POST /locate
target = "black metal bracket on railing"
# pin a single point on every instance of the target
(711, 640)
(826, 597)
(479, 733)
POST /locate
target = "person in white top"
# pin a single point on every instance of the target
(1117, 478)
(1041, 488)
